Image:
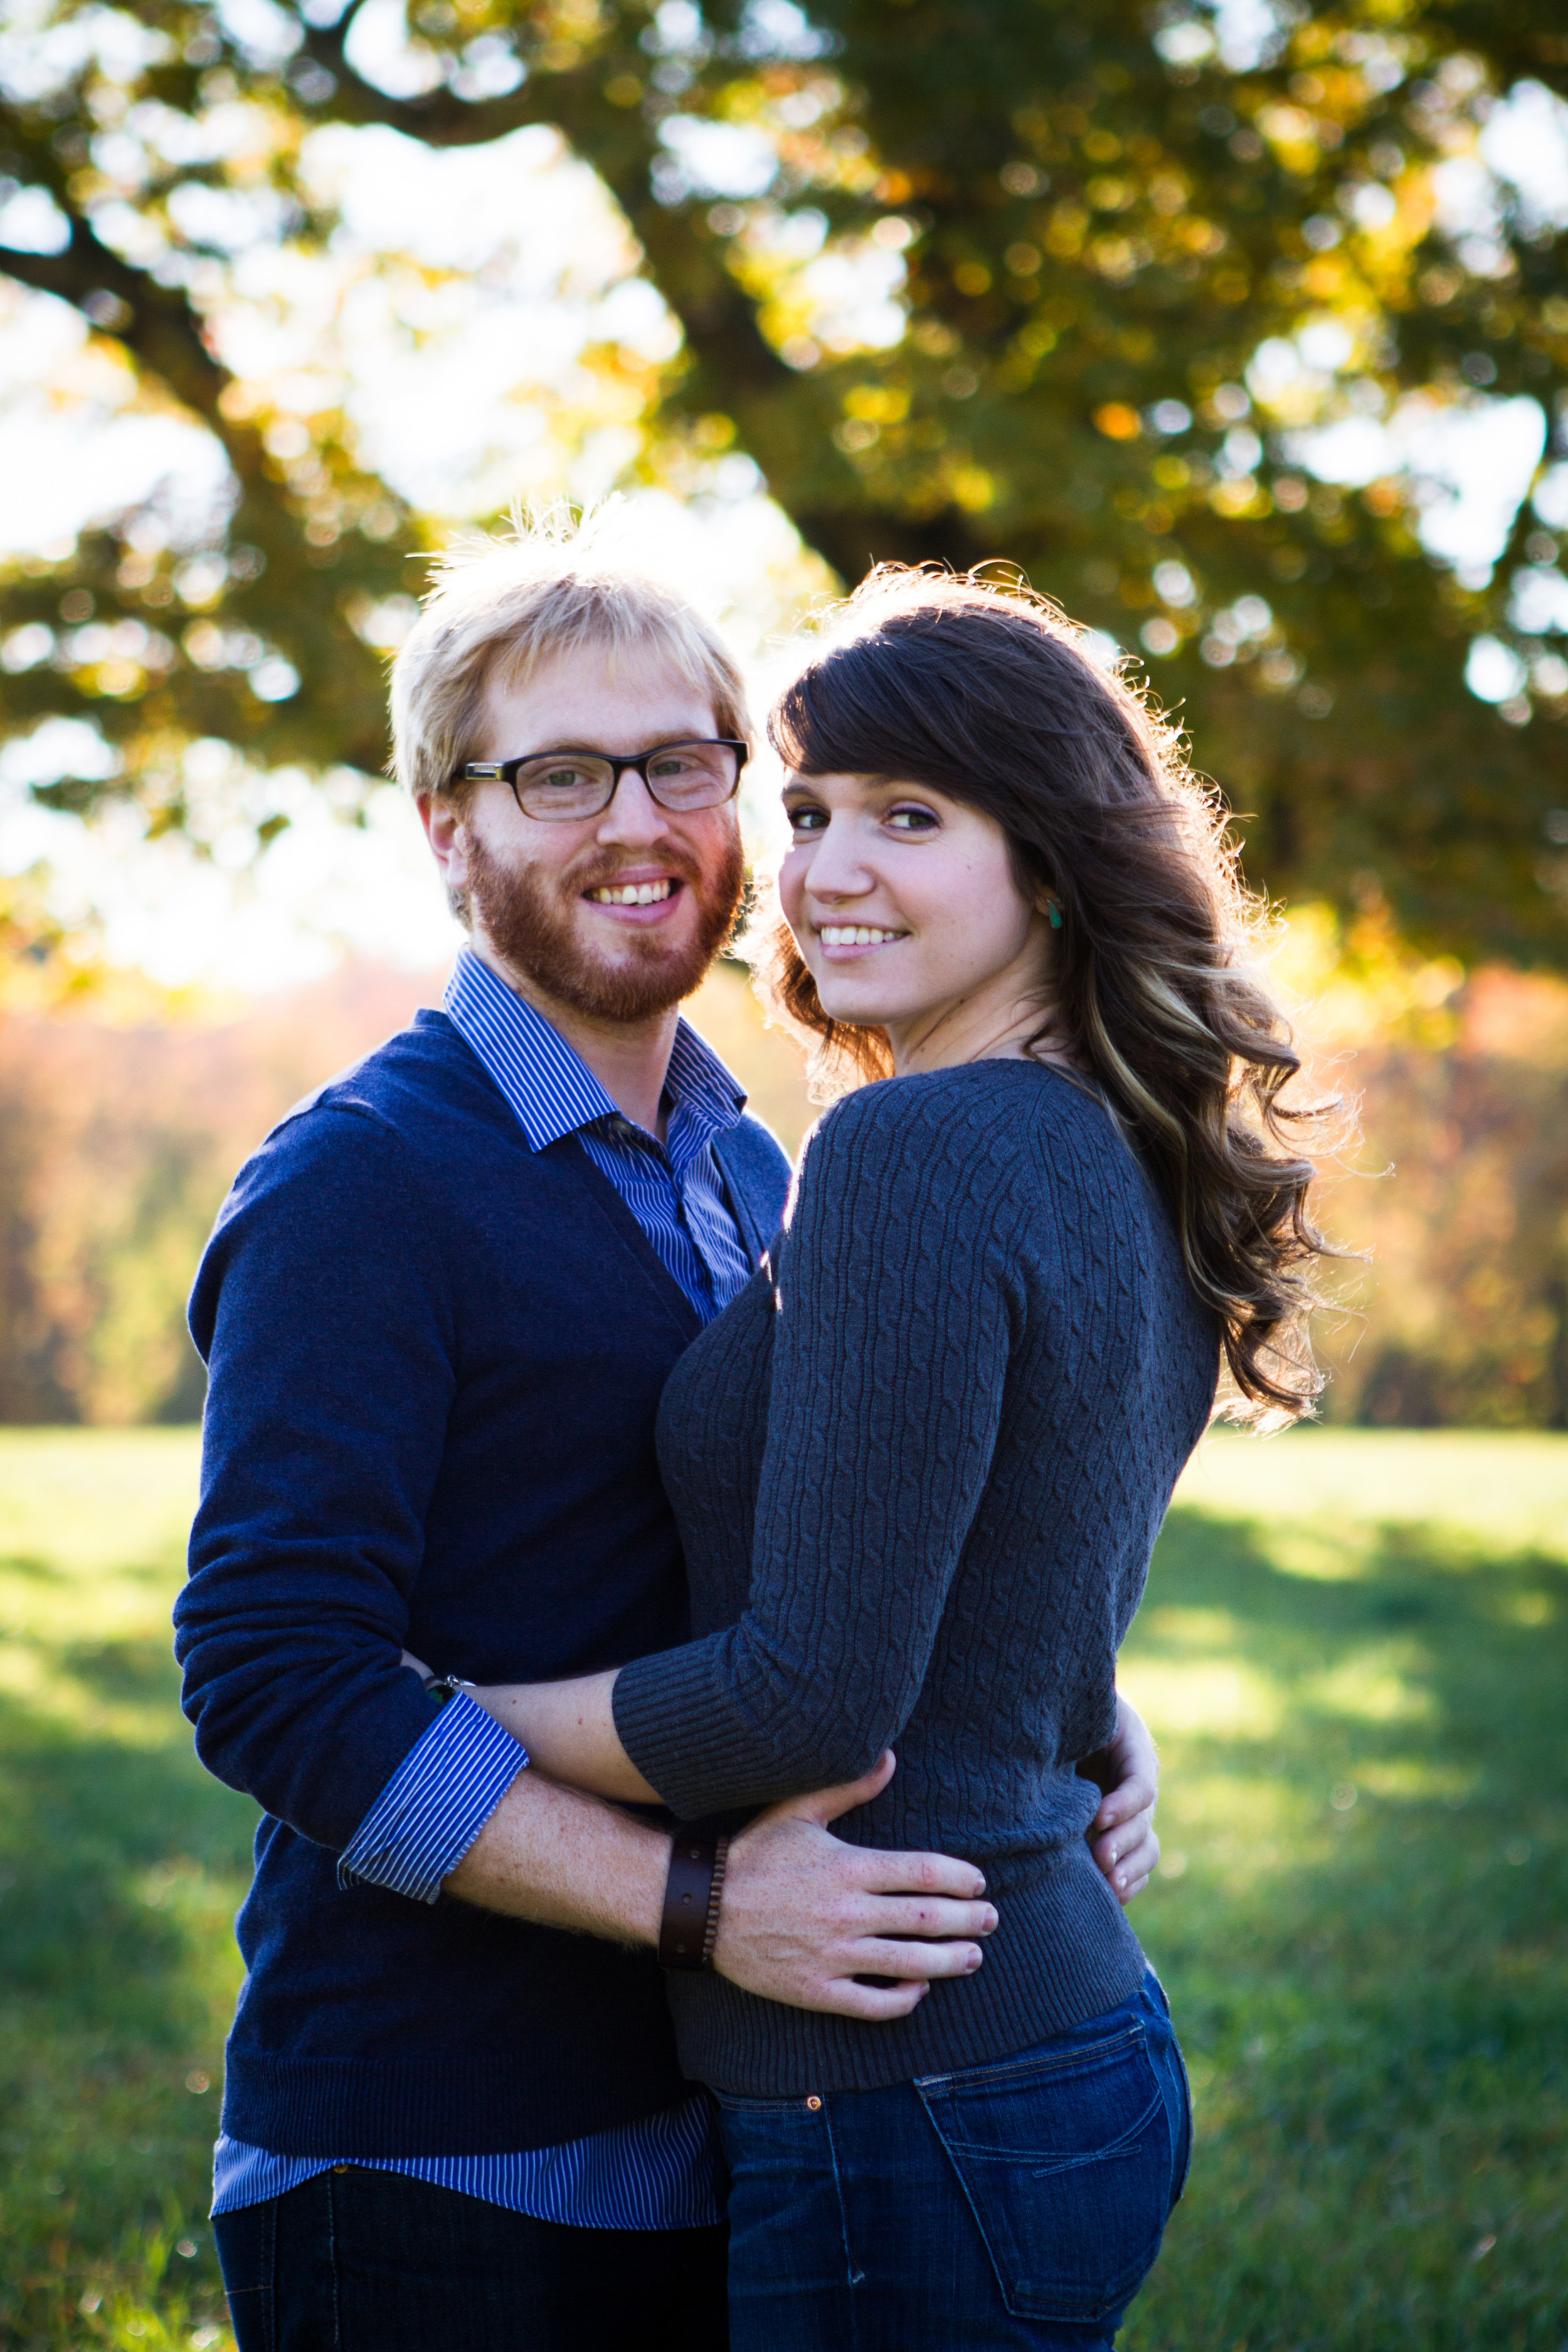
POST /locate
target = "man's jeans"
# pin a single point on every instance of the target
(357, 2261)
(1013, 2205)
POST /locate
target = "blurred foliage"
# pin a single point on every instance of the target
(1016, 280)
(119, 1134)
(1460, 1206)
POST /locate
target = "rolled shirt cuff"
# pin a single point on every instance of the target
(436, 1803)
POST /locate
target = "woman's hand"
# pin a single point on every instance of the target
(1121, 1835)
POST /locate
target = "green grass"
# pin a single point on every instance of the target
(121, 1868)
(1353, 1648)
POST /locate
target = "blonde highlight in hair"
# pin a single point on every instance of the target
(499, 607)
(985, 692)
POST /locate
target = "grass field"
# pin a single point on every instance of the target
(1353, 1648)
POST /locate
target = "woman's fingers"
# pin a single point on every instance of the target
(1110, 1847)
(1127, 1857)
(1127, 1770)
(1128, 1799)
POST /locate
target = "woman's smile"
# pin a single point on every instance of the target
(843, 942)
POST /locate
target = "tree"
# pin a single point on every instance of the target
(968, 279)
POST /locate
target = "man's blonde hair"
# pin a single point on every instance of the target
(498, 608)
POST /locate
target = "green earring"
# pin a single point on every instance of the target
(1055, 912)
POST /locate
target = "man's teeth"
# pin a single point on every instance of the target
(634, 894)
(855, 935)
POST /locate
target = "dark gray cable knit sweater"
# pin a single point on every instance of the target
(918, 1488)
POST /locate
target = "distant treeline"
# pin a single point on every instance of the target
(118, 1142)
(1464, 1211)
(117, 1145)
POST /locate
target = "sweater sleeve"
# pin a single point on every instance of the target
(888, 1370)
(326, 1326)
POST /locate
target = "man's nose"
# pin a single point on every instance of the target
(634, 819)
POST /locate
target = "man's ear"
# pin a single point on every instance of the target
(442, 819)
(447, 834)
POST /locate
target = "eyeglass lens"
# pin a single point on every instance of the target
(679, 776)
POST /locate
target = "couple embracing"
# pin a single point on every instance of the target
(612, 1555)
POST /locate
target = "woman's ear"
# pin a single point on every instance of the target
(1046, 904)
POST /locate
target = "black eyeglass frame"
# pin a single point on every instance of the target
(505, 771)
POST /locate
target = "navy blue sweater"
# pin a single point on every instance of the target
(436, 1360)
(919, 1484)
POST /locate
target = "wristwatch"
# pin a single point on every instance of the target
(441, 1688)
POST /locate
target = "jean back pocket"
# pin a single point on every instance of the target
(1065, 2157)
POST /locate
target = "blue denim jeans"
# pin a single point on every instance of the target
(1013, 2205)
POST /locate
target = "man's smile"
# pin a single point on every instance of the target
(639, 899)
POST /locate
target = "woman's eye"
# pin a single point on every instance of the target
(913, 820)
(806, 819)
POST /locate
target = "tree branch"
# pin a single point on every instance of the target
(162, 329)
(439, 117)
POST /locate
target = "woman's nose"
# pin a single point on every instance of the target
(837, 870)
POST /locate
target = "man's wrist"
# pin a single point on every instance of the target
(692, 1893)
(551, 1855)
(436, 1804)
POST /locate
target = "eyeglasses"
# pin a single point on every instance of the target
(563, 785)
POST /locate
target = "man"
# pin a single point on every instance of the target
(439, 1309)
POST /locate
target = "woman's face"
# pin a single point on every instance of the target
(905, 906)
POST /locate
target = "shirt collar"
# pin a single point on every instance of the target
(548, 1086)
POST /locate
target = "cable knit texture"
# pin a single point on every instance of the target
(918, 1480)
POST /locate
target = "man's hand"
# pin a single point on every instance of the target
(805, 1917)
(1121, 1835)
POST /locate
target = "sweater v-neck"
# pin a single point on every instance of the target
(614, 1207)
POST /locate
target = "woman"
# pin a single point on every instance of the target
(919, 1465)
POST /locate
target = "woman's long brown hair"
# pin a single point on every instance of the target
(983, 692)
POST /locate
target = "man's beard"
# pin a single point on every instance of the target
(528, 917)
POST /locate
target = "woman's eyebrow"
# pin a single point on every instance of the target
(876, 784)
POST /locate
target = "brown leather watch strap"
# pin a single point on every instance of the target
(687, 1899)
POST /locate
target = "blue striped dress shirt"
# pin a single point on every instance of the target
(658, 2173)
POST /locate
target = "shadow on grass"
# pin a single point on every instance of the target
(1369, 1993)
(1365, 1950)
(121, 1864)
